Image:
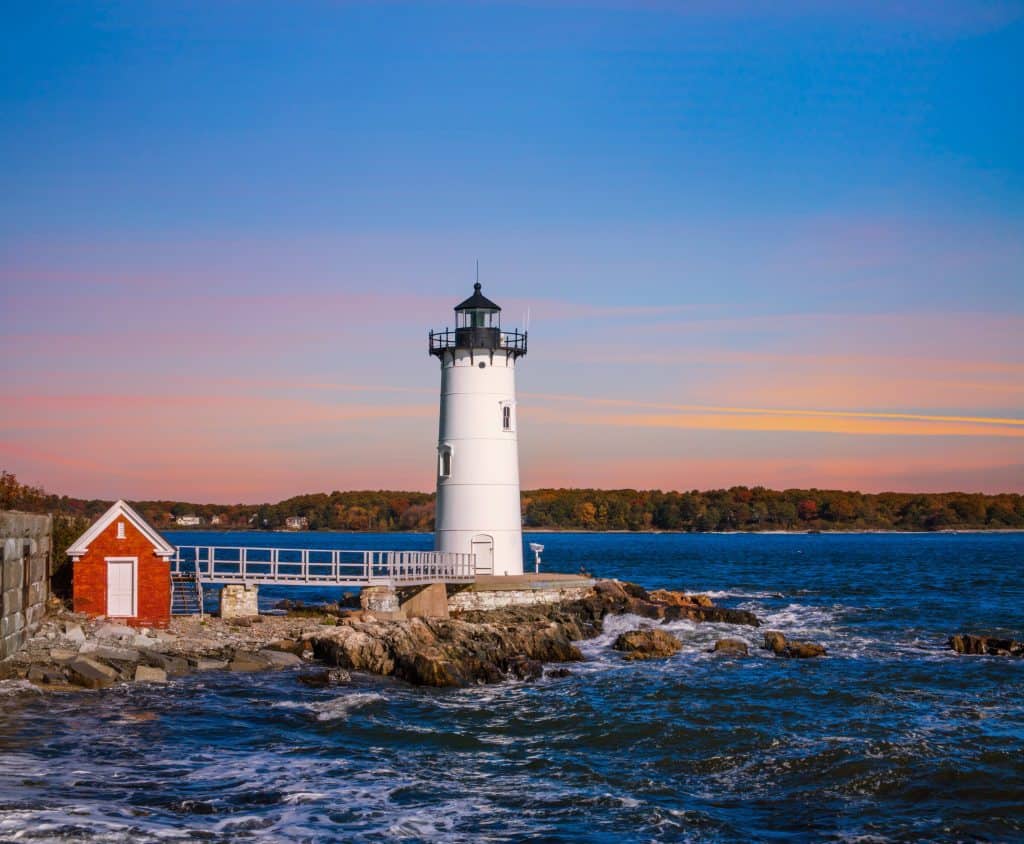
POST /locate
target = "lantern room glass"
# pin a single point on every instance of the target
(477, 318)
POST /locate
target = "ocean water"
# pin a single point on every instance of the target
(890, 738)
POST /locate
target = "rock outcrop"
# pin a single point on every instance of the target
(775, 642)
(966, 643)
(648, 643)
(448, 652)
(780, 646)
(679, 599)
(472, 647)
(322, 678)
(731, 647)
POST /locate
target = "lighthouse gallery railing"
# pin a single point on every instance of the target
(221, 564)
(513, 342)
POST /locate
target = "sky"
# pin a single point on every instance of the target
(776, 244)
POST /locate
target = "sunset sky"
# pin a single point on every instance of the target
(777, 247)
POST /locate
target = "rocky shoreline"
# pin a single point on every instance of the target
(72, 652)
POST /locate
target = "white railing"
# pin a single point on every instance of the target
(220, 564)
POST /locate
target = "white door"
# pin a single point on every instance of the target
(483, 547)
(121, 589)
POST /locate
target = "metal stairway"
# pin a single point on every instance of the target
(186, 595)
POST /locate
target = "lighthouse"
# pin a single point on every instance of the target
(478, 508)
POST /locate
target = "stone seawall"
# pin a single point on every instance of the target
(25, 546)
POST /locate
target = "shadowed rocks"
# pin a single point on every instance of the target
(966, 643)
(448, 652)
(730, 647)
(780, 646)
(471, 647)
(324, 677)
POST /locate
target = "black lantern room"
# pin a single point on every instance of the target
(478, 328)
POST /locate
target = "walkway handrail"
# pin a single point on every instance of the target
(322, 566)
(199, 590)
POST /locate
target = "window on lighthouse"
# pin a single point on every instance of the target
(508, 419)
(444, 462)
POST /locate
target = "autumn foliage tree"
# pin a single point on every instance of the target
(735, 509)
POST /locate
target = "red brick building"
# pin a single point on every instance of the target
(122, 569)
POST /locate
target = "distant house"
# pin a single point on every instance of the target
(296, 523)
(189, 521)
(122, 569)
(214, 520)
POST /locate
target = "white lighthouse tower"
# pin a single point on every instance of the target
(478, 508)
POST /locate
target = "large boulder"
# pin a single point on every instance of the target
(680, 599)
(780, 646)
(324, 677)
(47, 674)
(775, 642)
(610, 589)
(245, 662)
(91, 673)
(649, 643)
(721, 615)
(148, 674)
(108, 652)
(804, 650)
(730, 647)
(74, 633)
(635, 590)
(526, 669)
(280, 659)
(174, 666)
(448, 652)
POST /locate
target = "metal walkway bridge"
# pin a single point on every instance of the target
(320, 567)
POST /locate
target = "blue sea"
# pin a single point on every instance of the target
(891, 737)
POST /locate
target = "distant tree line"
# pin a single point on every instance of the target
(736, 509)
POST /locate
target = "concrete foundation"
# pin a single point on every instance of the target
(495, 592)
(424, 601)
(25, 551)
(239, 601)
(430, 601)
(379, 599)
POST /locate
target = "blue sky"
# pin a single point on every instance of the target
(810, 208)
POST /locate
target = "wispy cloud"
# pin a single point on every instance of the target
(786, 419)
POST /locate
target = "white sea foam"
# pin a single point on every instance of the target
(341, 707)
(298, 797)
(332, 709)
(9, 688)
(718, 594)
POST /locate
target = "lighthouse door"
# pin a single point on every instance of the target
(483, 547)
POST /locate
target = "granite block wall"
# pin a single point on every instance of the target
(25, 553)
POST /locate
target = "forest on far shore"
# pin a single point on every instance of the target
(738, 508)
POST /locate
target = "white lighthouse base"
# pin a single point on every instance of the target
(498, 552)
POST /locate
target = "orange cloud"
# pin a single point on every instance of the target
(783, 419)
